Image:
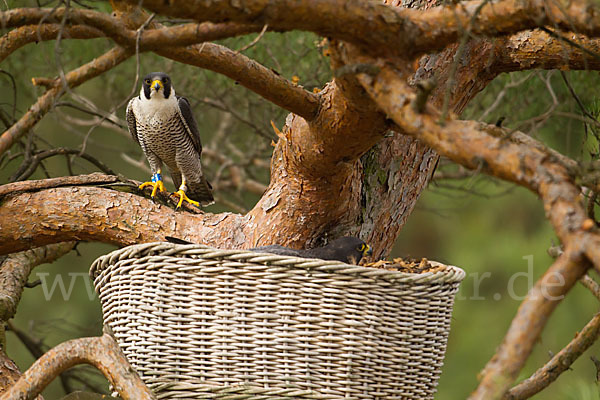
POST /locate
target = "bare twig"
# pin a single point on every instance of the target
(591, 284)
(218, 104)
(248, 73)
(256, 40)
(581, 106)
(33, 162)
(45, 102)
(14, 93)
(111, 120)
(558, 364)
(597, 366)
(35, 185)
(33, 284)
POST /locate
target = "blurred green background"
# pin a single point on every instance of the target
(493, 230)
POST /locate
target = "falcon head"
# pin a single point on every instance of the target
(347, 249)
(157, 84)
(361, 249)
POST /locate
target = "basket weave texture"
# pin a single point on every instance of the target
(198, 322)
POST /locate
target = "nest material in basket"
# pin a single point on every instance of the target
(408, 266)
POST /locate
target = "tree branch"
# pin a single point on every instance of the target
(591, 285)
(9, 373)
(101, 352)
(527, 325)
(34, 161)
(373, 26)
(23, 35)
(537, 49)
(105, 215)
(470, 144)
(37, 185)
(173, 43)
(37, 348)
(249, 74)
(15, 270)
(102, 24)
(45, 102)
(558, 364)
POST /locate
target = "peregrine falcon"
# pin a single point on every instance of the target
(164, 126)
(346, 249)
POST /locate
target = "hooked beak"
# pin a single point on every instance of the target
(156, 85)
(368, 251)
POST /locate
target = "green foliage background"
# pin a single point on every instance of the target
(482, 225)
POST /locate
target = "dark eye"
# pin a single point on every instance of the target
(165, 80)
(361, 247)
(147, 81)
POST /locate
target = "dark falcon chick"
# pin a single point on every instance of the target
(346, 249)
(162, 123)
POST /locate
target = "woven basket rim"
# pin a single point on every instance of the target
(449, 274)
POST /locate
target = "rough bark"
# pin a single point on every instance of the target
(315, 173)
(105, 215)
(9, 372)
(523, 51)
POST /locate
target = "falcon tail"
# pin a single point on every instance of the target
(200, 191)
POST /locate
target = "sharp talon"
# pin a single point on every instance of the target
(156, 186)
(183, 196)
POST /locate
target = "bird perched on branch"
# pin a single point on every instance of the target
(346, 249)
(164, 126)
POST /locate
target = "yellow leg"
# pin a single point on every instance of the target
(157, 184)
(183, 196)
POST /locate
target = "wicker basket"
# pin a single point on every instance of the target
(198, 322)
